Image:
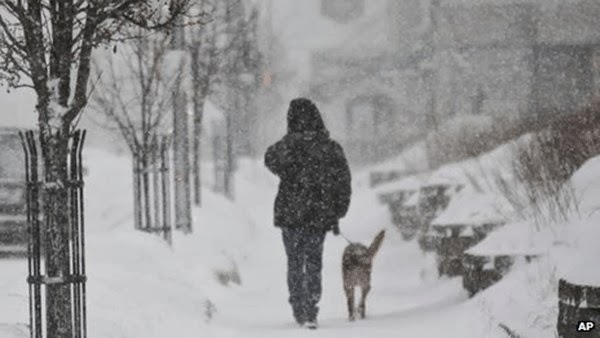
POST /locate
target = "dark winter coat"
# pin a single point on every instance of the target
(314, 188)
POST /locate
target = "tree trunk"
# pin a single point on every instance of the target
(197, 156)
(181, 163)
(146, 189)
(217, 162)
(56, 218)
(198, 98)
(155, 182)
(181, 143)
(229, 156)
(198, 101)
(137, 195)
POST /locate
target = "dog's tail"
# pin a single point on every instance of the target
(376, 244)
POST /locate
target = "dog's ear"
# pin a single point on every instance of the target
(376, 244)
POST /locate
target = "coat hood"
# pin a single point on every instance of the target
(303, 116)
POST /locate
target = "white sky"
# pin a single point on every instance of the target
(17, 108)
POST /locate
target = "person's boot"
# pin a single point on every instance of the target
(311, 320)
(299, 316)
(311, 324)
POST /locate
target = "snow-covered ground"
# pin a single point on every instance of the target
(140, 287)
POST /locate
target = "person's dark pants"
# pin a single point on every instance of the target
(304, 249)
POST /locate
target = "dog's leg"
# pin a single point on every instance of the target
(350, 299)
(363, 299)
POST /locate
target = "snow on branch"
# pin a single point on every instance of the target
(48, 45)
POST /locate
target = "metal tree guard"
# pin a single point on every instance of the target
(152, 191)
(37, 279)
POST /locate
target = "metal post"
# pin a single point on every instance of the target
(137, 207)
(35, 237)
(155, 184)
(166, 190)
(82, 272)
(74, 229)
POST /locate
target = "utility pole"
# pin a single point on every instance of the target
(181, 146)
(232, 87)
(430, 77)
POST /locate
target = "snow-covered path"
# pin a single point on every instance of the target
(133, 291)
(405, 301)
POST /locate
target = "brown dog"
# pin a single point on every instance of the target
(357, 263)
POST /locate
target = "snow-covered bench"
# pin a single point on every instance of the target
(454, 240)
(470, 216)
(399, 190)
(487, 262)
(401, 197)
(379, 177)
(434, 198)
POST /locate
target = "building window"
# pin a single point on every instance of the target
(342, 11)
(562, 79)
(370, 116)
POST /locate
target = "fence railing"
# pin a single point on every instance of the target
(38, 279)
(152, 190)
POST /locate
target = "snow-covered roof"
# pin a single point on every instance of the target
(517, 238)
(469, 207)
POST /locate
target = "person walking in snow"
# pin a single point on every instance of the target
(314, 193)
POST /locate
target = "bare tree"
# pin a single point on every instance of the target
(224, 60)
(204, 64)
(133, 94)
(47, 45)
(238, 78)
(537, 183)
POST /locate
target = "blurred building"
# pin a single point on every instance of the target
(369, 82)
(386, 72)
(516, 57)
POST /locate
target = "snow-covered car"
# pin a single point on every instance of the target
(13, 219)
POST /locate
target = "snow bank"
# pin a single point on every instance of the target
(576, 261)
(482, 171)
(517, 238)
(108, 193)
(581, 233)
(219, 242)
(525, 300)
(586, 183)
(138, 285)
